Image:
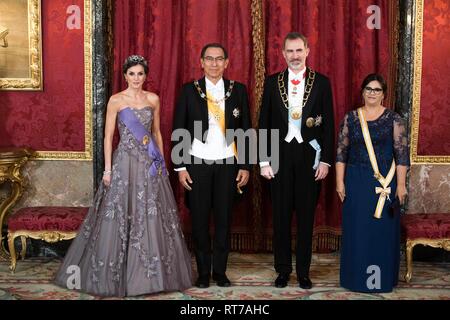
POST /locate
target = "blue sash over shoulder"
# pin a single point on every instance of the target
(141, 134)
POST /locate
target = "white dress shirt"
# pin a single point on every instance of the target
(294, 129)
(215, 146)
(295, 100)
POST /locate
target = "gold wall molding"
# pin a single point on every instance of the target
(34, 81)
(85, 155)
(393, 51)
(258, 39)
(417, 85)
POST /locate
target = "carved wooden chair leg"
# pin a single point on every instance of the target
(409, 250)
(12, 251)
(23, 239)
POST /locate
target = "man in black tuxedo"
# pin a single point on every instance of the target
(297, 102)
(213, 176)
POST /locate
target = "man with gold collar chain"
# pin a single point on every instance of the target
(213, 174)
(297, 102)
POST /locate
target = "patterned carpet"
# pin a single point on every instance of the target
(252, 276)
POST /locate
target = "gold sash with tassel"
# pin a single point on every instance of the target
(384, 191)
(219, 115)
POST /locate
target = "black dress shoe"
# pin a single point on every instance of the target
(282, 280)
(304, 283)
(202, 282)
(221, 280)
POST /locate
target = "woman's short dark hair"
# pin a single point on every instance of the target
(213, 45)
(135, 60)
(374, 77)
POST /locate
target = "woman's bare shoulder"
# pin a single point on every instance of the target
(116, 101)
(152, 98)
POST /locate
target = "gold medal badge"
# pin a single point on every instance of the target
(285, 99)
(296, 113)
(310, 122)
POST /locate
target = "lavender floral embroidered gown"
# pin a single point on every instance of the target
(131, 242)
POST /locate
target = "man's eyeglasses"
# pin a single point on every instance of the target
(375, 91)
(210, 60)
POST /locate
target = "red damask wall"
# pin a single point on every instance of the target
(343, 48)
(53, 119)
(434, 127)
(171, 34)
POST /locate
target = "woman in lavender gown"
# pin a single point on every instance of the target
(131, 242)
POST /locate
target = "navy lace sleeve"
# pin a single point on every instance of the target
(401, 153)
(343, 141)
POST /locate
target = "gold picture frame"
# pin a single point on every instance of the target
(21, 45)
(87, 154)
(417, 85)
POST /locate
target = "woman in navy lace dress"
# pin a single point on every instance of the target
(368, 183)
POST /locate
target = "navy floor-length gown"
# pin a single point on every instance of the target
(370, 251)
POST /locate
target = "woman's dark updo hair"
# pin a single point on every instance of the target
(135, 60)
(374, 77)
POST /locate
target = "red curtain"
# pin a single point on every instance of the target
(346, 50)
(171, 33)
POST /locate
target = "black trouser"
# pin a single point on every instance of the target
(294, 188)
(213, 187)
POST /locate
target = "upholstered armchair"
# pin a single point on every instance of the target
(50, 224)
(425, 229)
